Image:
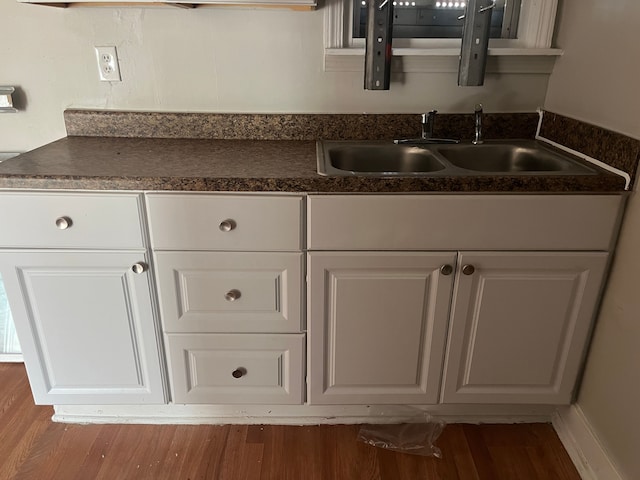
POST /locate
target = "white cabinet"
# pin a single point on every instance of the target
(230, 277)
(527, 281)
(377, 326)
(410, 299)
(81, 296)
(519, 325)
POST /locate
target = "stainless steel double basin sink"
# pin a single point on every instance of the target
(497, 157)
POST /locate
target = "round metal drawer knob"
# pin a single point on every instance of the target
(239, 372)
(446, 269)
(468, 269)
(63, 223)
(227, 225)
(232, 295)
(139, 267)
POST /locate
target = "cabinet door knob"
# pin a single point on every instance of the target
(227, 225)
(446, 269)
(232, 295)
(63, 223)
(468, 269)
(239, 372)
(139, 267)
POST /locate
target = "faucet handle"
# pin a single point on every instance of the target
(478, 108)
(427, 117)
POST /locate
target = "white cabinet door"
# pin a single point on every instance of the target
(377, 326)
(86, 325)
(519, 326)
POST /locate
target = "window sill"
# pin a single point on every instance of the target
(445, 60)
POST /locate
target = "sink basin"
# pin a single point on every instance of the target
(369, 158)
(516, 157)
(506, 157)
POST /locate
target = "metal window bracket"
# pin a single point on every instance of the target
(475, 42)
(377, 60)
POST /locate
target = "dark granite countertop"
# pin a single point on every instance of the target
(106, 163)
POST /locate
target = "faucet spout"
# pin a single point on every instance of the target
(428, 121)
(478, 125)
(426, 137)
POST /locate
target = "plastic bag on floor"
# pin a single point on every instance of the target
(417, 435)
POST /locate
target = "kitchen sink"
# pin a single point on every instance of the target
(377, 159)
(505, 157)
(516, 157)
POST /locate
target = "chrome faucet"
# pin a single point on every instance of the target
(478, 124)
(428, 120)
(427, 123)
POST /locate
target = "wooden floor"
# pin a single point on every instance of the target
(34, 448)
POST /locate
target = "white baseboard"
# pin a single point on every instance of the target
(584, 448)
(296, 414)
(11, 358)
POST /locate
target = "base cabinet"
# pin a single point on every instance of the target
(230, 275)
(519, 325)
(509, 323)
(406, 303)
(86, 325)
(377, 326)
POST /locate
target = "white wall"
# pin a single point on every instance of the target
(597, 81)
(597, 78)
(215, 60)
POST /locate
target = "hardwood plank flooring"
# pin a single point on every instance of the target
(34, 448)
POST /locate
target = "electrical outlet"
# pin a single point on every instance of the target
(108, 64)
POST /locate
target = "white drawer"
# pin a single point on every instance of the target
(225, 368)
(230, 292)
(93, 220)
(462, 222)
(197, 222)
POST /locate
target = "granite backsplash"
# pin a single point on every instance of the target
(241, 126)
(612, 148)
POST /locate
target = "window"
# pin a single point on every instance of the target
(437, 19)
(524, 32)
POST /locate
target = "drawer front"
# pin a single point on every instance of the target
(462, 222)
(230, 292)
(238, 369)
(71, 220)
(225, 222)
